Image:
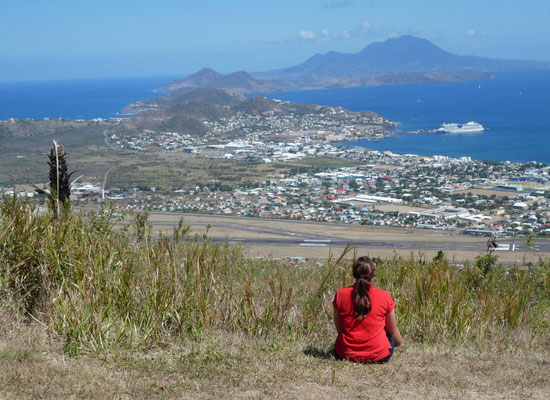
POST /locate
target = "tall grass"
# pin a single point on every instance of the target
(99, 288)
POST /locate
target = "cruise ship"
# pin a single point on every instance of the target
(462, 128)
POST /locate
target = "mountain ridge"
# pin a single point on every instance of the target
(404, 54)
(217, 96)
(239, 82)
(397, 61)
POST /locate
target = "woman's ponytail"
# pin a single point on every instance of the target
(363, 272)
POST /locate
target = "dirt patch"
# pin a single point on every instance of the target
(489, 192)
(399, 209)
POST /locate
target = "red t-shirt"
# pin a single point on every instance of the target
(363, 340)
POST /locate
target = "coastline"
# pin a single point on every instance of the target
(513, 125)
(511, 107)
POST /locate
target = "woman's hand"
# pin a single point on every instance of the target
(392, 329)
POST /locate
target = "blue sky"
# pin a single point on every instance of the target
(57, 39)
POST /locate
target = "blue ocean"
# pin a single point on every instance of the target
(514, 107)
(87, 99)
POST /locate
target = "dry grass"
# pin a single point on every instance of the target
(241, 367)
(87, 312)
(454, 256)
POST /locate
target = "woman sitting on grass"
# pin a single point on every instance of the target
(364, 317)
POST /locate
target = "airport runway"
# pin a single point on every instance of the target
(297, 238)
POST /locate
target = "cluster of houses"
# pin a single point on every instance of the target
(386, 189)
(149, 139)
(244, 135)
(347, 124)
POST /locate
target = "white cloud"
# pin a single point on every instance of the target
(367, 26)
(475, 34)
(346, 34)
(306, 34)
(325, 33)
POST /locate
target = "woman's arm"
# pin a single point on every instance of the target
(337, 322)
(392, 329)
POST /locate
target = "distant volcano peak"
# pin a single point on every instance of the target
(406, 54)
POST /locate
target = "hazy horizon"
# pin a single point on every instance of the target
(67, 40)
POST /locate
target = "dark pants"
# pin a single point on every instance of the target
(392, 344)
(382, 361)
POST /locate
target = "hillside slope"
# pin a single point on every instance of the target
(119, 316)
(239, 82)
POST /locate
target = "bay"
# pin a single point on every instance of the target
(513, 107)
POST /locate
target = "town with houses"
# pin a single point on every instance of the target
(398, 190)
(407, 191)
(386, 189)
(486, 198)
(256, 133)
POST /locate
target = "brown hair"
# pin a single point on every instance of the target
(363, 272)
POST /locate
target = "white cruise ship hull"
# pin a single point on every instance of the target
(470, 127)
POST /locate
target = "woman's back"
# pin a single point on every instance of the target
(363, 339)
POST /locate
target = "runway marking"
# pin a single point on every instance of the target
(514, 247)
(503, 247)
(313, 244)
(317, 241)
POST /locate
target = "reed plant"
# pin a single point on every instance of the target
(99, 288)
